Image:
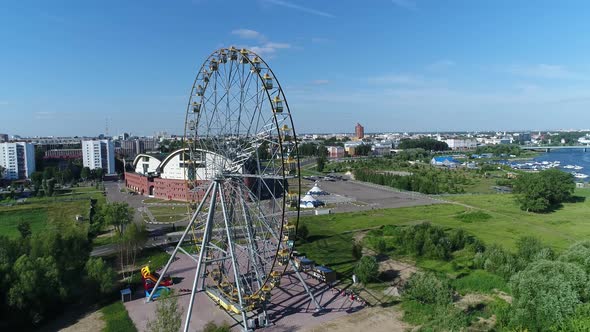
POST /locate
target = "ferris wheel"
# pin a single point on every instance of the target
(241, 168)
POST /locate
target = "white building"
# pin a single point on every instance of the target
(99, 154)
(461, 144)
(17, 159)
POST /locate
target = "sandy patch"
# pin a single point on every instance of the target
(89, 323)
(375, 319)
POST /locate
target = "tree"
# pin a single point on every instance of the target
(99, 275)
(357, 250)
(24, 228)
(540, 192)
(49, 187)
(168, 317)
(321, 163)
(302, 232)
(363, 150)
(578, 253)
(367, 269)
(2, 169)
(117, 215)
(425, 143)
(85, 173)
(263, 153)
(129, 244)
(36, 287)
(546, 293)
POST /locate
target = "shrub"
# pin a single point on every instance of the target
(578, 253)
(426, 288)
(497, 260)
(357, 250)
(578, 322)
(367, 269)
(529, 246)
(546, 293)
(425, 240)
(212, 327)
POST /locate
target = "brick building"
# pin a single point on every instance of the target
(168, 178)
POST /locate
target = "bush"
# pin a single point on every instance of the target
(357, 250)
(578, 253)
(100, 276)
(546, 293)
(497, 260)
(426, 288)
(479, 281)
(212, 327)
(168, 317)
(302, 232)
(578, 322)
(425, 240)
(528, 247)
(367, 269)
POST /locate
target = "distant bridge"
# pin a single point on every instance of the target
(549, 148)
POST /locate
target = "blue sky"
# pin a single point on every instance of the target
(392, 65)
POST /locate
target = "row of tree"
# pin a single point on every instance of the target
(423, 180)
(425, 143)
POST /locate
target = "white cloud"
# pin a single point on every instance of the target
(440, 64)
(546, 71)
(401, 79)
(268, 48)
(44, 115)
(319, 40)
(408, 4)
(299, 8)
(247, 34)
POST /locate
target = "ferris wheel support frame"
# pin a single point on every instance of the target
(228, 194)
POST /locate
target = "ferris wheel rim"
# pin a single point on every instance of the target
(286, 110)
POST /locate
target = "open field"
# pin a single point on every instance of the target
(9, 219)
(168, 213)
(40, 212)
(502, 222)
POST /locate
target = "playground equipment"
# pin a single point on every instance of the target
(241, 161)
(151, 279)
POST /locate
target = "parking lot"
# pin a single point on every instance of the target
(350, 195)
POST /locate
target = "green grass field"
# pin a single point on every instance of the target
(494, 218)
(117, 319)
(168, 213)
(9, 219)
(42, 211)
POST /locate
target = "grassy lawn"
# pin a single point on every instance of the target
(117, 319)
(103, 240)
(157, 200)
(494, 218)
(41, 211)
(169, 213)
(9, 219)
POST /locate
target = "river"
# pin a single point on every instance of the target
(568, 157)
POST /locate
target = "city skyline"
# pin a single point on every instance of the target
(402, 66)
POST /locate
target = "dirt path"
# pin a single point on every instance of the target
(375, 319)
